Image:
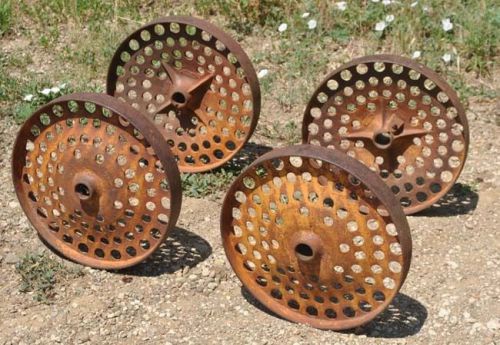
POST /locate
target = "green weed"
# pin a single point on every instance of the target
(303, 54)
(288, 132)
(215, 181)
(5, 16)
(28, 91)
(40, 273)
(481, 44)
(36, 97)
(244, 15)
(203, 184)
(466, 90)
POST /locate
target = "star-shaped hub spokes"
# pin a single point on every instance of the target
(385, 128)
(185, 90)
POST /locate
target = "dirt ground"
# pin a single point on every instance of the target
(187, 293)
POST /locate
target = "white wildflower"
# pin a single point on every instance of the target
(413, 4)
(45, 92)
(446, 57)
(416, 54)
(282, 27)
(341, 6)
(28, 98)
(380, 26)
(312, 24)
(447, 24)
(375, 0)
(262, 73)
(387, 2)
(305, 14)
(389, 18)
(55, 89)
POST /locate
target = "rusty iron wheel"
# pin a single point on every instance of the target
(195, 82)
(96, 181)
(399, 118)
(316, 237)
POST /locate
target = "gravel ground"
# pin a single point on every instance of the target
(187, 294)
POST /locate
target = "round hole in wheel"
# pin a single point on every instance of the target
(195, 82)
(399, 118)
(84, 167)
(383, 139)
(179, 97)
(82, 190)
(304, 252)
(315, 267)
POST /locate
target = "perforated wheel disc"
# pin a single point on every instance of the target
(397, 117)
(316, 237)
(95, 180)
(195, 82)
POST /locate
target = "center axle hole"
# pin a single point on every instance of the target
(304, 252)
(179, 97)
(383, 139)
(82, 190)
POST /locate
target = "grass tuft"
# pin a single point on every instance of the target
(289, 132)
(214, 182)
(203, 184)
(244, 15)
(26, 108)
(40, 274)
(217, 181)
(5, 16)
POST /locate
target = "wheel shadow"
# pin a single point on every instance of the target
(404, 317)
(246, 156)
(460, 199)
(181, 249)
(255, 302)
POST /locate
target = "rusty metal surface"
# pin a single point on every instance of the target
(195, 82)
(399, 118)
(316, 237)
(96, 181)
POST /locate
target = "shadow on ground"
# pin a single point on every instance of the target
(461, 199)
(246, 156)
(253, 301)
(404, 317)
(182, 248)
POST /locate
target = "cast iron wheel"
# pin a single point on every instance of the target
(316, 237)
(195, 82)
(96, 181)
(399, 118)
